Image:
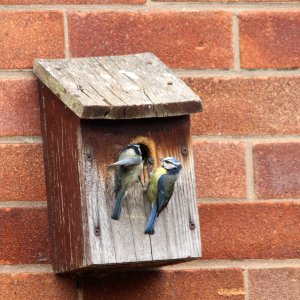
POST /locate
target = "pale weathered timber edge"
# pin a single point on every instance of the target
(103, 87)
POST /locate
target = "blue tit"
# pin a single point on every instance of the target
(129, 168)
(160, 189)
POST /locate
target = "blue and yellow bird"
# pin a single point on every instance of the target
(160, 189)
(129, 169)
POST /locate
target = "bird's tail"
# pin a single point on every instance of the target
(118, 206)
(151, 220)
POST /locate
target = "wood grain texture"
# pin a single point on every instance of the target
(124, 241)
(80, 191)
(60, 130)
(118, 87)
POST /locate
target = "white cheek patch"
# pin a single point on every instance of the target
(130, 152)
(168, 166)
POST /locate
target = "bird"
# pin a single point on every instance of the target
(160, 189)
(128, 170)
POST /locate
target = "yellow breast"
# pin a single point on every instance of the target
(151, 192)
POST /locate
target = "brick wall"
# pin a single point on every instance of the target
(243, 59)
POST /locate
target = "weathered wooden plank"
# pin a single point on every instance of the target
(127, 240)
(117, 87)
(123, 241)
(100, 244)
(60, 128)
(69, 88)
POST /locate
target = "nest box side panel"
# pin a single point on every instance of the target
(177, 232)
(60, 129)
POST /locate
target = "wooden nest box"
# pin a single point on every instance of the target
(91, 108)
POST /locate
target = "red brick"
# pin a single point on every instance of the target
(21, 172)
(26, 35)
(247, 106)
(180, 39)
(270, 39)
(275, 284)
(25, 286)
(250, 230)
(277, 170)
(19, 107)
(24, 236)
(223, 1)
(188, 284)
(25, 2)
(220, 169)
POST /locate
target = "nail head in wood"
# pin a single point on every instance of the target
(97, 231)
(184, 150)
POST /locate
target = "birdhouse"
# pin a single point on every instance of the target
(91, 108)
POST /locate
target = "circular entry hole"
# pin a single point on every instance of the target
(145, 152)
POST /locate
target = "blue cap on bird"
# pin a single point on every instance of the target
(171, 163)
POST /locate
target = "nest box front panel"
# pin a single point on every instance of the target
(109, 242)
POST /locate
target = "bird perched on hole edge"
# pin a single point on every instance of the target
(160, 189)
(129, 168)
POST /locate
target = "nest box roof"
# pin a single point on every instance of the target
(117, 87)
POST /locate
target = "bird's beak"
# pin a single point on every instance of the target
(161, 159)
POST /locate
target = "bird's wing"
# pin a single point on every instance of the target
(165, 191)
(118, 180)
(128, 162)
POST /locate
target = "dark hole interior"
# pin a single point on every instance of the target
(145, 152)
(148, 162)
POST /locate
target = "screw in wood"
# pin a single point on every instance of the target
(97, 231)
(192, 225)
(184, 150)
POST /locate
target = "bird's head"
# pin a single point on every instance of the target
(172, 165)
(134, 148)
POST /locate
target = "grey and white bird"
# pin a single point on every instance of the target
(129, 168)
